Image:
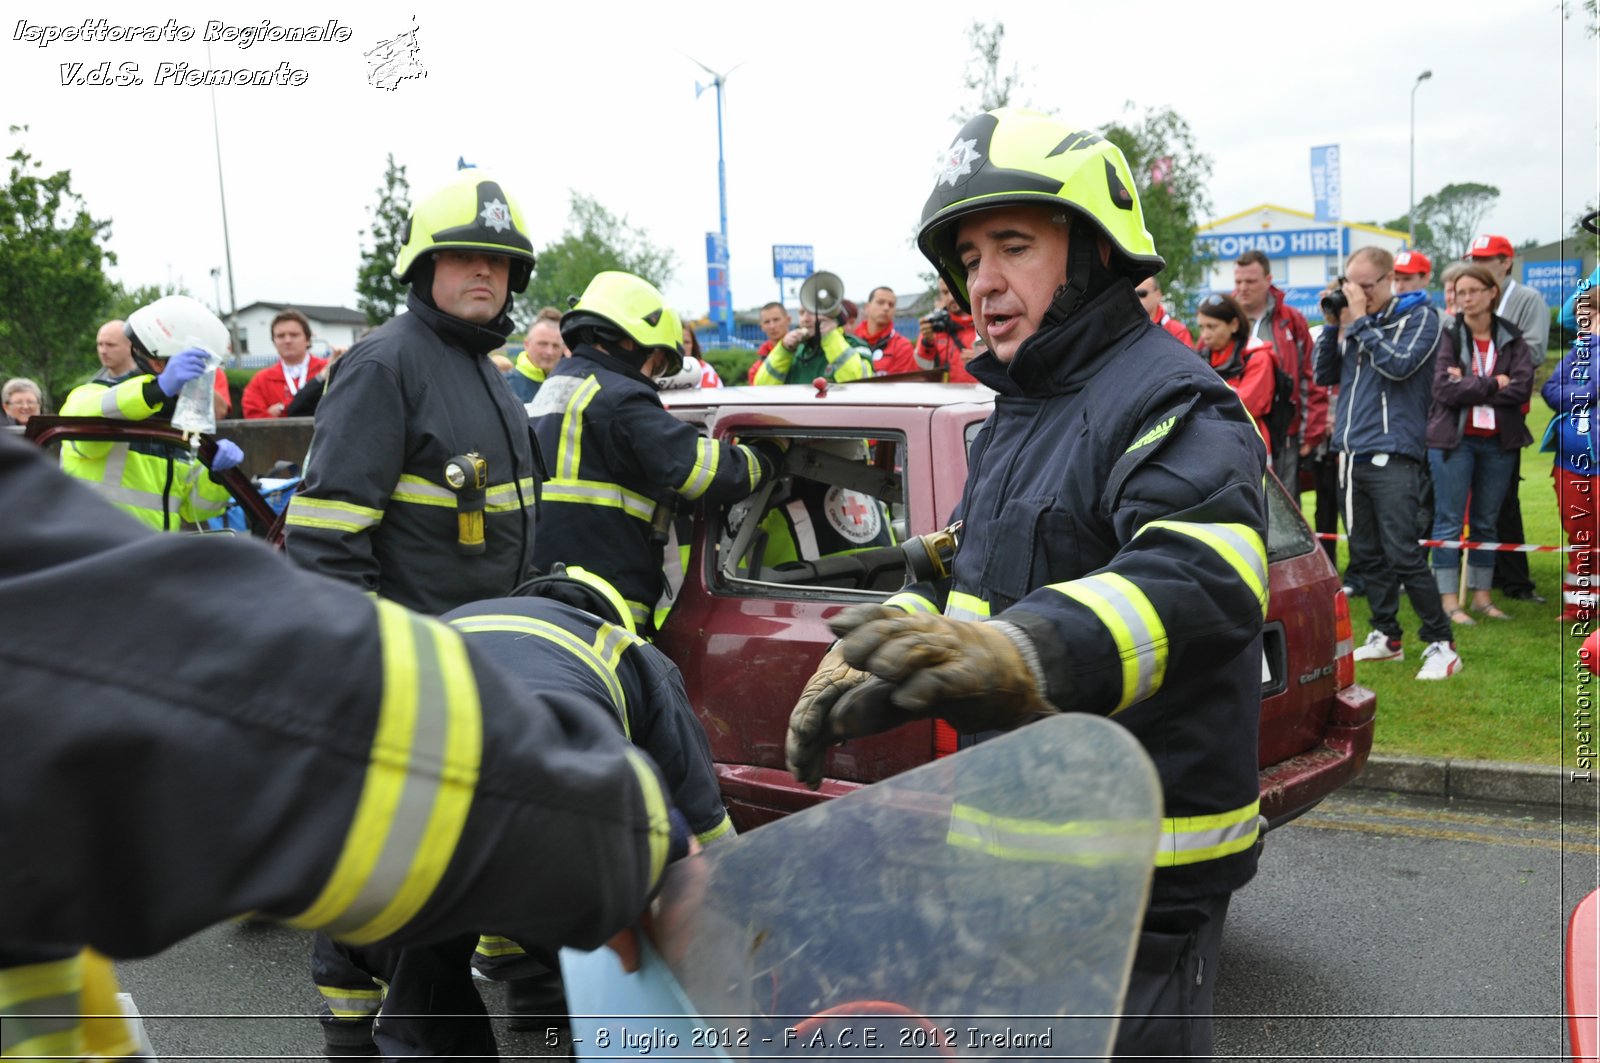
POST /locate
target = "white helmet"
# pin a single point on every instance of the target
(173, 323)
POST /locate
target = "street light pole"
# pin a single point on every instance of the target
(717, 81)
(1411, 210)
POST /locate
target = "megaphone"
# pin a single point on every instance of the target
(822, 293)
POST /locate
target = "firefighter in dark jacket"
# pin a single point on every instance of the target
(1112, 558)
(422, 478)
(381, 781)
(619, 462)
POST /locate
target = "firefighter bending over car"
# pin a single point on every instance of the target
(381, 781)
(619, 462)
(172, 340)
(1112, 558)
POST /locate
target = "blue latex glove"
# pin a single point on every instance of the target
(182, 368)
(228, 454)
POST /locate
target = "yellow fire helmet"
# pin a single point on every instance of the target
(622, 304)
(1015, 157)
(471, 213)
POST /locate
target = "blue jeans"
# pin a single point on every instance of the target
(1382, 503)
(1470, 480)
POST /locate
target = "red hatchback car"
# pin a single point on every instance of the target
(748, 632)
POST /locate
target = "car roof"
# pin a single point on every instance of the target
(859, 394)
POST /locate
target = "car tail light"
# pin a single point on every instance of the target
(945, 739)
(1344, 646)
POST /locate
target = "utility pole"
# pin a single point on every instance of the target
(1411, 211)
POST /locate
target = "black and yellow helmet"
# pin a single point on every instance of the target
(471, 213)
(621, 304)
(1015, 157)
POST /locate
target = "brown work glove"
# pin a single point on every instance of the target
(810, 730)
(972, 674)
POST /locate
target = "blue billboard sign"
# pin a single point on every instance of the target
(1325, 182)
(720, 304)
(1275, 243)
(1553, 280)
(792, 261)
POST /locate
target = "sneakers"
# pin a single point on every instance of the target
(1380, 647)
(1439, 661)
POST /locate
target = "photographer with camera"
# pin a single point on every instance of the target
(946, 338)
(1379, 349)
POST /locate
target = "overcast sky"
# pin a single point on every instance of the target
(836, 115)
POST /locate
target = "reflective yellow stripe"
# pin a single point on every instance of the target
(599, 493)
(1090, 843)
(423, 492)
(962, 606)
(911, 603)
(708, 456)
(525, 625)
(492, 947)
(351, 1003)
(752, 464)
(502, 498)
(607, 591)
(721, 830)
(655, 809)
(1131, 620)
(40, 1007)
(1191, 839)
(426, 751)
(337, 516)
(569, 455)
(610, 643)
(1237, 544)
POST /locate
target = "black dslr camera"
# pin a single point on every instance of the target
(940, 321)
(1334, 302)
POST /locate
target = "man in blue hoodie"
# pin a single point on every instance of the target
(1380, 352)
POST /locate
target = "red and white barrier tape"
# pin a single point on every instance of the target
(1461, 544)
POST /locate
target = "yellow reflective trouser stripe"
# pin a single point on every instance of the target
(492, 947)
(707, 456)
(911, 603)
(345, 1003)
(525, 625)
(1140, 637)
(721, 830)
(1237, 544)
(1191, 839)
(655, 808)
(422, 492)
(503, 498)
(423, 771)
(599, 493)
(307, 512)
(40, 1006)
(569, 455)
(963, 606)
(1086, 842)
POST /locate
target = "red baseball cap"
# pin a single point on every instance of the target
(1412, 262)
(1491, 247)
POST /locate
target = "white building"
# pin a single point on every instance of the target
(336, 326)
(1306, 253)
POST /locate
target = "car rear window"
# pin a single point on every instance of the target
(1287, 533)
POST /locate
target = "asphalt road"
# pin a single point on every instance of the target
(1379, 928)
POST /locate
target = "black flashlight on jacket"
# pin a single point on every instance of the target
(467, 475)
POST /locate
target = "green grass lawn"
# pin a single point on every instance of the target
(1514, 697)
